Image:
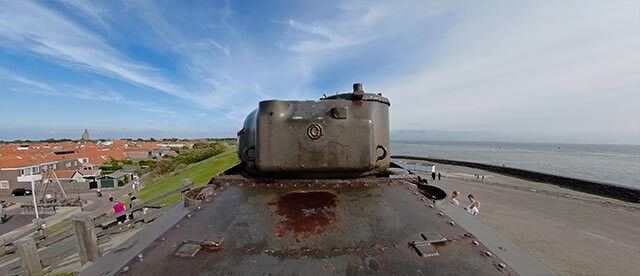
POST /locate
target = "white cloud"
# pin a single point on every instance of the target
(28, 85)
(91, 10)
(561, 70)
(359, 22)
(567, 70)
(28, 26)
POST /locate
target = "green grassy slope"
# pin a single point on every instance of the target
(200, 173)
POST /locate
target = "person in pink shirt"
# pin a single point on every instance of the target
(119, 208)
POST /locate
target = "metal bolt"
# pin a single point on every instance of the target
(431, 206)
(452, 223)
(188, 215)
(476, 243)
(125, 268)
(489, 254)
(502, 265)
(440, 214)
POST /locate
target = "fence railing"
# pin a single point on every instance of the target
(84, 227)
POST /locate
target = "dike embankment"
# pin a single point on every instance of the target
(587, 186)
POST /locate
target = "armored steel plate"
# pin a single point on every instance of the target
(302, 227)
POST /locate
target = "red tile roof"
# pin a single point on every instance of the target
(34, 154)
(61, 174)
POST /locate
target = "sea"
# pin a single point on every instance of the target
(614, 164)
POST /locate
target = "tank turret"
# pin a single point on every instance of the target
(345, 135)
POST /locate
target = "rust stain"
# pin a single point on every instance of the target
(305, 213)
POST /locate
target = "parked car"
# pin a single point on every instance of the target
(20, 192)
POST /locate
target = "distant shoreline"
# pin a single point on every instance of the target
(480, 142)
(614, 191)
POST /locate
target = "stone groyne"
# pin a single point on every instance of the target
(588, 186)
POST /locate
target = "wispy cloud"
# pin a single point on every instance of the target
(31, 86)
(92, 11)
(42, 87)
(565, 70)
(363, 22)
(29, 26)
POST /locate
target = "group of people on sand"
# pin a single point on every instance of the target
(479, 177)
(474, 205)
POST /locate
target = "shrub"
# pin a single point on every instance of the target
(163, 167)
(180, 167)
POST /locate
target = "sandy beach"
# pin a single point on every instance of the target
(572, 233)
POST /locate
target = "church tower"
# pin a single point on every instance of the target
(85, 135)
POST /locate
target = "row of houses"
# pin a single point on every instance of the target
(19, 173)
(71, 162)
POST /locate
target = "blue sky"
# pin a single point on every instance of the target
(489, 70)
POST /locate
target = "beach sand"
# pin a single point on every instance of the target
(572, 233)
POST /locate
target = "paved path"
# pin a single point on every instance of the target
(573, 233)
(96, 205)
(16, 221)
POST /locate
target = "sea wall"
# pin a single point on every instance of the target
(593, 187)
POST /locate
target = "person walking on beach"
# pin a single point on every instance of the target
(474, 207)
(482, 178)
(110, 197)
(439, 176)
(433, 176)
(454, 198)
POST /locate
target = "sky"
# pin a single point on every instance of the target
(515, 71)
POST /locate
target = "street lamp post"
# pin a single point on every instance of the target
(33, 194)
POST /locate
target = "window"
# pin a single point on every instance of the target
(25, 171)
(54, 166)
(36, 170)
(68, 164)
(4, 184)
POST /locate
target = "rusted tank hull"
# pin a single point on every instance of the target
(317, 226)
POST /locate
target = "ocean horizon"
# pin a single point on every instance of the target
(609, 163)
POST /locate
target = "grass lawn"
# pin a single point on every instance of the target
(200, 173)
(54, 229)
